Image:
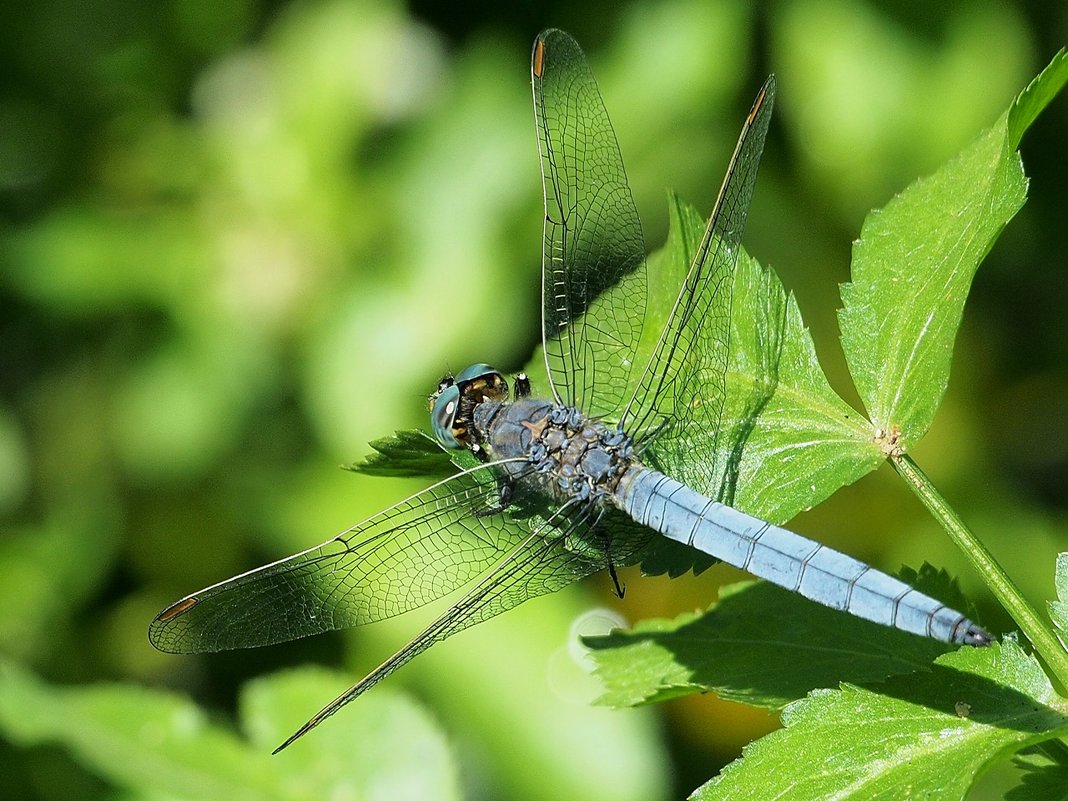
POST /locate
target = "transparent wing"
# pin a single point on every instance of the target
(415, 552)
(554, 555)
(593, 245)
(677, 407)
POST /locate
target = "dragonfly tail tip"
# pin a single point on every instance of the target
(978, 637)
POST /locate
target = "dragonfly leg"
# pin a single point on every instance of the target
(621, 589)
(606, 544)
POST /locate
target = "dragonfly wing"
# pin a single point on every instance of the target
(593, 247)
(422, 548)
(552, 557)
(677, 406)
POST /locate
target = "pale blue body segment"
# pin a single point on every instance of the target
(789, 560)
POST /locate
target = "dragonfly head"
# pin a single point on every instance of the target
(454, 402)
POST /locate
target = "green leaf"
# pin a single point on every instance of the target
(1058, 610)
(1043, 780)
(759, 645)
(927, 735)
(1038, 94)
(408, 454)
(913, 265)
(159, 744)
(133, 737)
(792, 440)
(788, 440)
(672, 558)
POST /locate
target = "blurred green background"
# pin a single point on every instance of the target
(240, 239)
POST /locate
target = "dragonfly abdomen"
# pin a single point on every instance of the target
(789, 560)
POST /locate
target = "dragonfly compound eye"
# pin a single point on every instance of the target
(443, 420)
(453, 405)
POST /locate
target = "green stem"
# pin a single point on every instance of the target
(1031, 624)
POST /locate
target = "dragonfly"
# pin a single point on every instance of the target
(617, 459)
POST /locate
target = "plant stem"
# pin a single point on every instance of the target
(1031, 624)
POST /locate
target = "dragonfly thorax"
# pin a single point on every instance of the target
(573, 456)
(569, 454)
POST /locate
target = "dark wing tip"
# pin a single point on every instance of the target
(159, 629)
(307, 727)
(290, 740)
